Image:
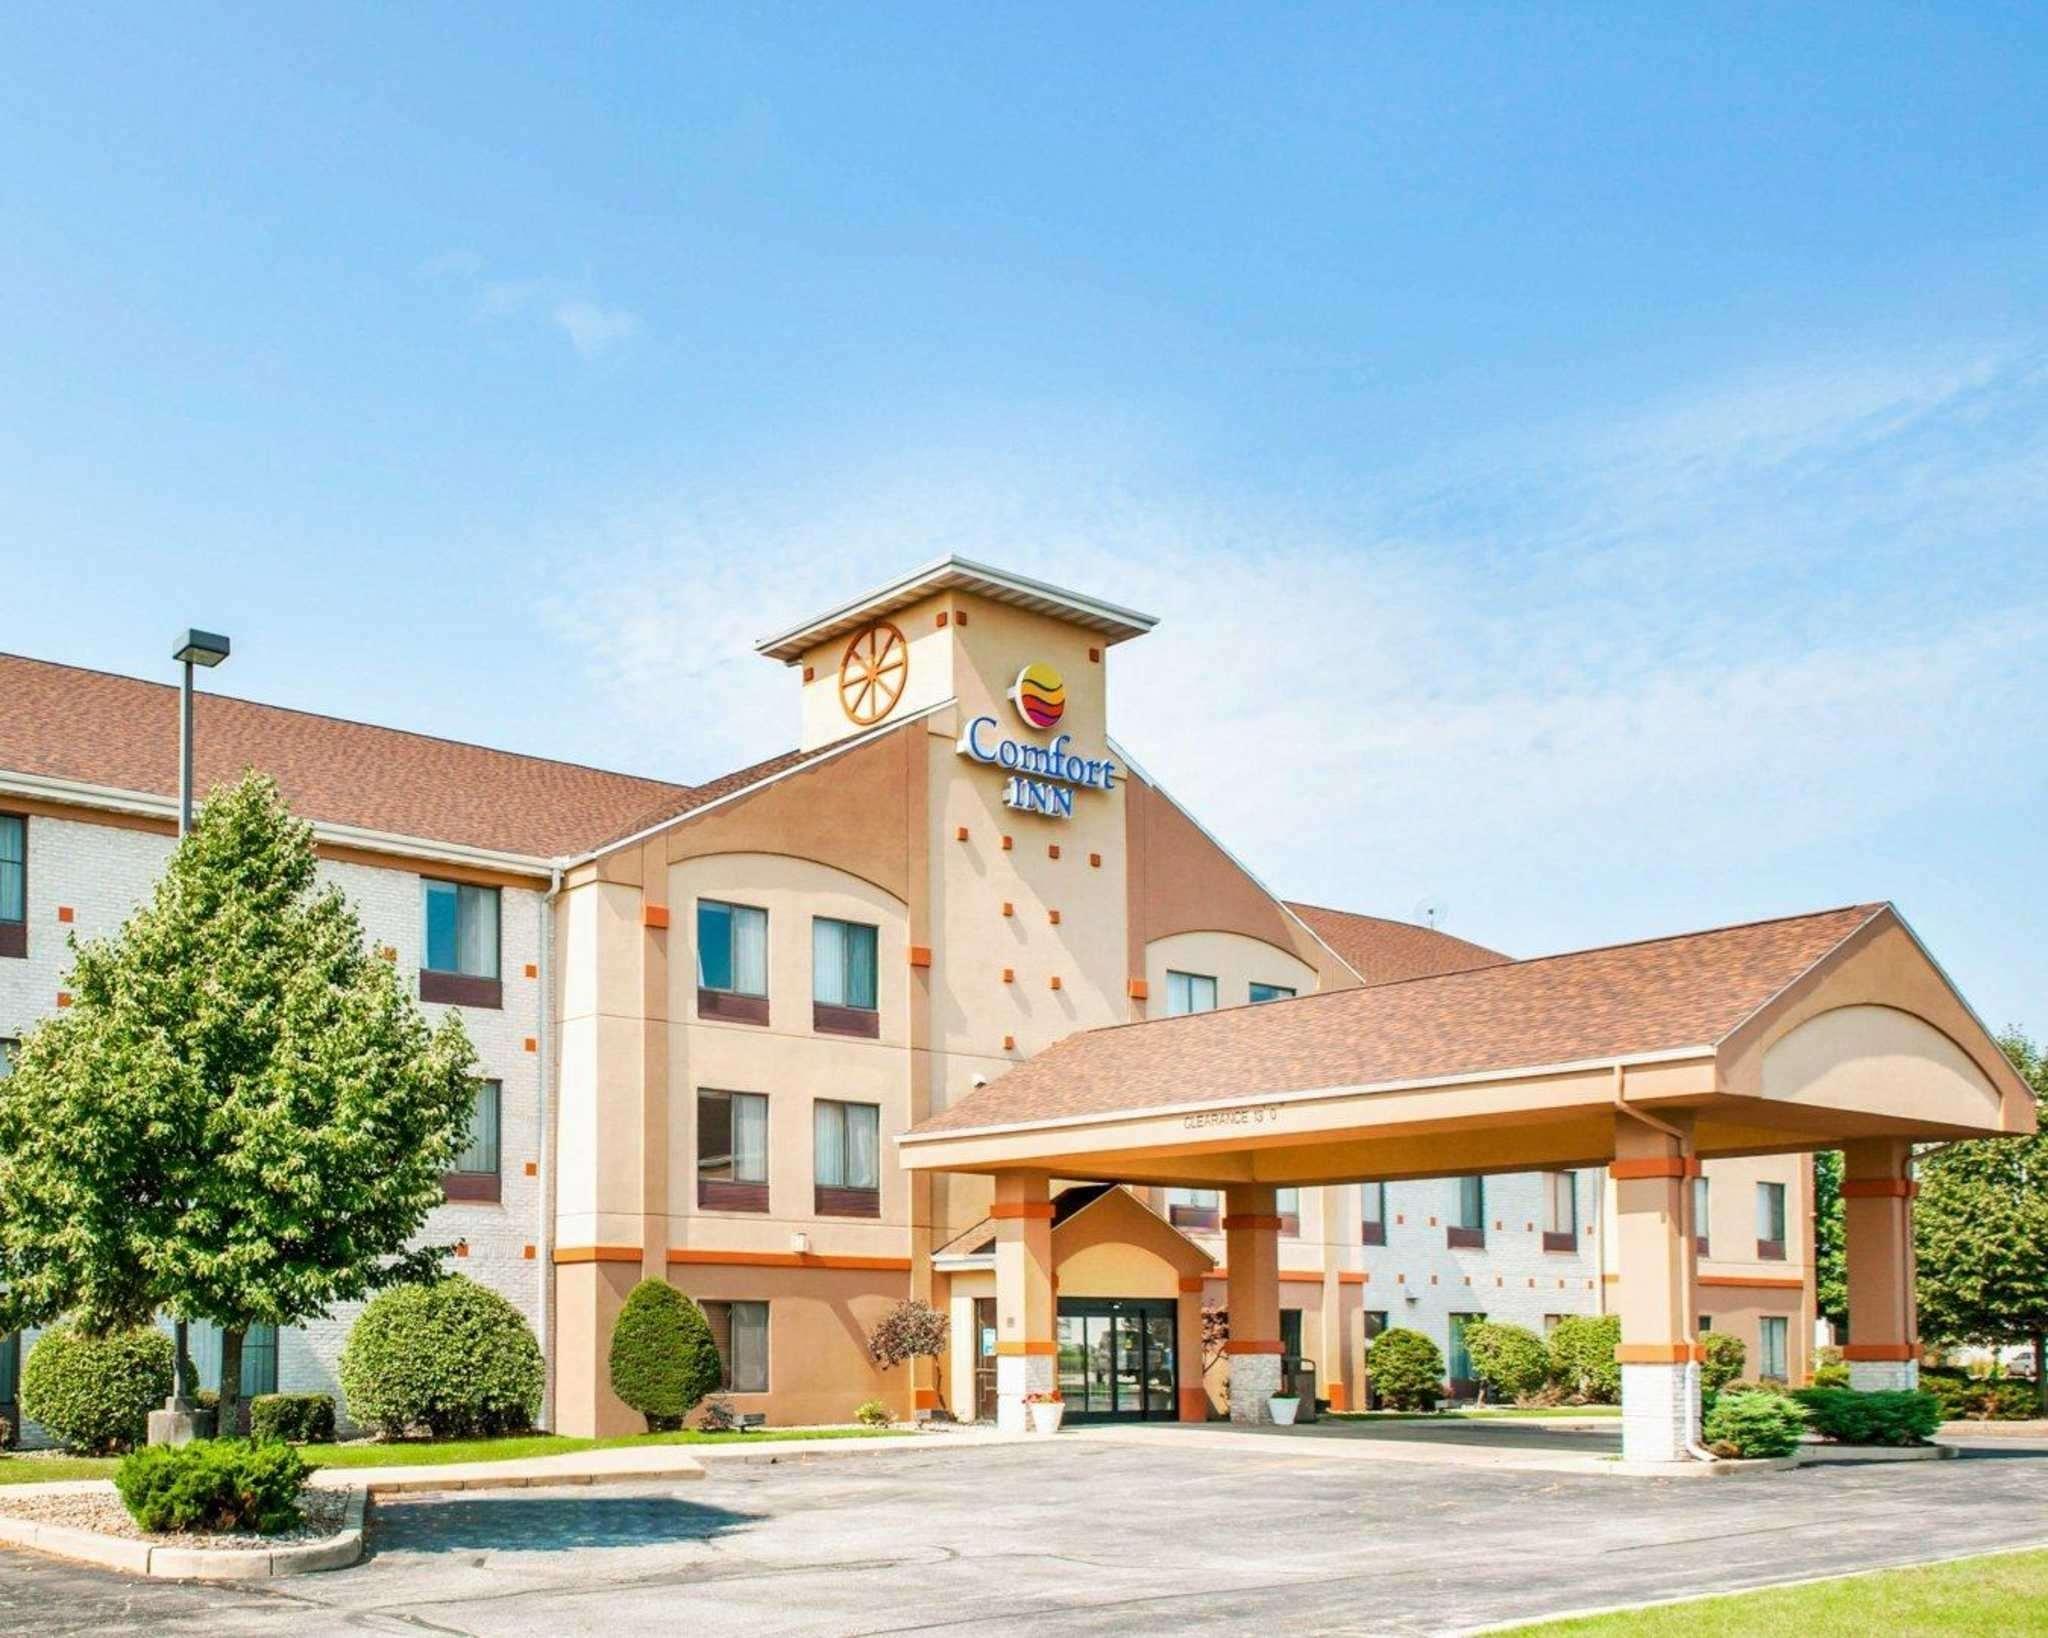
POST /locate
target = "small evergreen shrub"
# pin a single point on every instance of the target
(1407, 1370)
(874, 1414)
(292, 1418)
(1726, 1356)
(6, 1434)
(1753, 1425)
(1853, 1418)
(1511, 1360)
(94, 1394)
(663, 1358)
(1831, 1376)
(450, 1357)
(1582, 1357)
(212, 1484)
(1979, 1398)
(718, 1416)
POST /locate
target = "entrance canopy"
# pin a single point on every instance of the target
(1779, 1036)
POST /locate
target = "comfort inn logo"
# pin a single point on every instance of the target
(1040, 695)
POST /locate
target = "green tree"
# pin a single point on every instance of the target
(1830, 1264)
(241, 1118)
(1510, 1360)
(1980, 1234)
(664, 1359)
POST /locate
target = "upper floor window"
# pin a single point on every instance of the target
(732, 1150)
(1770, 1221)
(732, 961)
(474, 1174)
(1560, 1211)
(1287, 1207)
(1468, 1212)
(1193, 1209)
(843, 977)
(13, 885)
(1699, 1215)
(1189, 992)
(461, 963)
(1372, 1213)
(1271, 992)
(846, 1159)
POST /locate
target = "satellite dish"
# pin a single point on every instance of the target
(1431, 912)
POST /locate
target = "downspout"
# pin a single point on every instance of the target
(544, 1239)
(1690, 1318)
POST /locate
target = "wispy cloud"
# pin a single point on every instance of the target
(592, 326)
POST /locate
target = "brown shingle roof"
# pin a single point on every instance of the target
(1386, 952)
(65, 722)
(689, 798)
(1589, 1005)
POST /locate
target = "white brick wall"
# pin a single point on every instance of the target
(101, 873)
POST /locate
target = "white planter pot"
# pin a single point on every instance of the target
(1046, 1418)
(1284, 1405)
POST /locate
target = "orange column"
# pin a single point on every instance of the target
(1025, 1347)
(1657, 1297)
(1883, 1350)
(1194, 1397)
(1251, 1236)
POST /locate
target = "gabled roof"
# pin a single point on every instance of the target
(1620, 1002)
(1387, 952)
(1110, 621)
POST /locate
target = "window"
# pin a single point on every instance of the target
(732, 962)
(843, 977)
(8, 1049)
(741, 1331)
(1468, 1213)
(1770, 1221)
(1290, 1332)
(462, 945)
(1372, 1212)
(1551, 1323)
(1271, 992)
(1771, 1330)
(1193, 1209)
(1560, 1211)
(1460, 1357)
(846, 1159)
(13, 885)
(1706, 1323)
(474, 1174)
(259, 1357)
(732, 1151)
(1699, 1215)
(1189, 992)
(1375, 1323)
(1287, 1207)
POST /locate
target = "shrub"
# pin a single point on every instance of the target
(1582, 1357)
(663, 1359)
(213, 1484)
(6, 1434)
(874, 1414)
(1831, 1376)
(1511, 1360)
(718, 1416)
(292, 1418)
(1963, 1396)
(450, 1357)
(1753, 1425)
(910, 1330)
(1725, 1358)
(1407, 1370)
(1853, 1418)
(94, 1394)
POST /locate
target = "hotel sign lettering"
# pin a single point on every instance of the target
(1043, 778)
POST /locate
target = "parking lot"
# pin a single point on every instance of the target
(1078, 1535)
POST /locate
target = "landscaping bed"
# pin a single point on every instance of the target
(101, 1511)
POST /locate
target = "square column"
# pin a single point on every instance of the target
(1883, 1350)
(1251, 1248)
(1026, 1351)
(1657, 1300)
(1187, 1344)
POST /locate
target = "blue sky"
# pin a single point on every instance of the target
(1595, 465)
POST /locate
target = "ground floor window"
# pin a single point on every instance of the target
(1116, 1359)
(1706, 1323)
(10, 1368)
(1771, 1347)
(1551, 1323)
(741, 1331)
(1290, 1332)
(259, 1357)
(1460, 1357)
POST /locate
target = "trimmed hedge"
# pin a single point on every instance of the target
(452, 1358)
(663, 1358)
(94, 1394)
(1754, 1425)
(292, 1418)
(1726, 1355)
(212, 1484)
(1407, 1370)
(1511, 1360)
(1853, 1418)
(1582, 1357)
(1979, 1398)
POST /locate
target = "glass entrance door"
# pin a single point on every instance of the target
(1116, 1359)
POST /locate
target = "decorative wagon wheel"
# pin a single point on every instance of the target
(872, 675)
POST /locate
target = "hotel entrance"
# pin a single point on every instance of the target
(1116, 1359)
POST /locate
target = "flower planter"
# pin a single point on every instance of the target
(1284, 1406)
(1046, 1416)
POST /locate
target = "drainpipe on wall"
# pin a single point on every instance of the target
(544, 1239)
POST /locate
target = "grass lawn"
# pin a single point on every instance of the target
(44, 1469)
(1492, 1413)
(1972, 1596)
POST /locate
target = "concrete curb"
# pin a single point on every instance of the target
(1822, 1454)
(335, 1552)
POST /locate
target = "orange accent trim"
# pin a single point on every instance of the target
(685, 1257)
(1021, 1208)
(1015, 1350)
(532, 1169)
(462, 1248)
(926, 1398)
(1009, 909)
(1194, 1405)
(1624, 1171)
(532, 971)
(1347, 1276)
(527, 1253)
(1881, 1350)
(1053, 916)
(1009, 1043)
(1138, 990)
(1234, 1346)
(597, 1254)
(63, 998)
(1095, 656)
(1879, 1188)
(1052, 850)
(1055, 980)
(1251, 1220)
(1008, 843)
(1095, 861)
(531, 1045)
(1746, 1283)
(920, 955)
(942, 619)
(960, 616)
(1191, 1283)
(960, 834)
(653, 915)
(65, 912)
(1339, 1399)
(1658, 1353)
(1009, 975)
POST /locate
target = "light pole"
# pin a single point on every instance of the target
(208, 649)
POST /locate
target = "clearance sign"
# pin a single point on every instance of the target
(1043, 778)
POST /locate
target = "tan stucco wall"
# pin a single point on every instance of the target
(1234, 960)
(930, 677)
